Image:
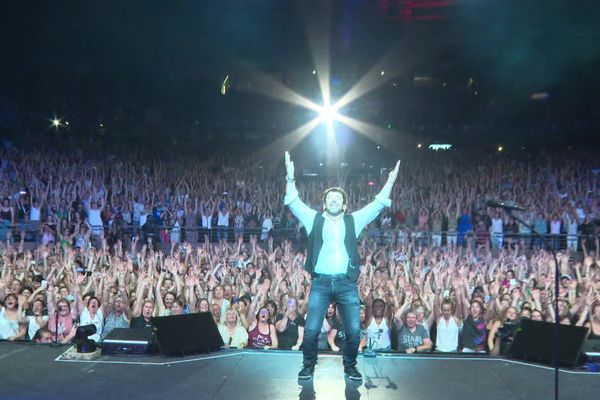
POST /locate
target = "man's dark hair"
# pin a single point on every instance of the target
(381, 301)
(335, 189)
(38, 334)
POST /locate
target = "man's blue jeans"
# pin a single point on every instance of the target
(345, 293)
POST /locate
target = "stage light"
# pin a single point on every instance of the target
(314, 72)
(500, 148)
(67, 123)
(328, 113)
(101, 125)
(56, 122)
(378, 147)
(440, 146)
(419, 146)
(382, 73)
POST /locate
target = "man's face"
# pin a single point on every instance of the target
(15, 286)
(411, 320)
(118, 304)
(216, 310)
(93, 305)
(227, 292)
(45, 338)
(291, 305)
(176, 308)
(446, 311)
(147, 310)
(334, 203)
(537, 316)
(63, 308)
(378, 309)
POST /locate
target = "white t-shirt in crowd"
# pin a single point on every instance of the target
(98, 320)
(32, 326)
(34, 214)
(223, 220)
(497, 225)
(143, 219)
(137, 211)
(447, 335)
(267, 225)
(555, 227)
(207, 221)
(379, 335)
(94, 218)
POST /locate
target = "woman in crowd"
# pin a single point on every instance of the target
(503, 331)
(329, 330)
(93, 314)
(448, 324)
(474, 333)
(262, 333)
(11, 327)
(37, 319)
(290, 327)
(61, 319)
(233, 333)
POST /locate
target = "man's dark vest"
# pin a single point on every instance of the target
(315, 243)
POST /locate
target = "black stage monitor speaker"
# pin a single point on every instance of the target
(187, 333)
(534, 341)
(128, 341)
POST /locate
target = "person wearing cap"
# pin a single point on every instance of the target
(333, 262)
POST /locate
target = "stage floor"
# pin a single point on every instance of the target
(39, 372)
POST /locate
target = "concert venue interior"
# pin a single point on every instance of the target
(180, 182)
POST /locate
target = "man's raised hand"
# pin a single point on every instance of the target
(393, 175)
(289, 166)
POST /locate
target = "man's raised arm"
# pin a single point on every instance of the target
(305, 214)
(368, 213)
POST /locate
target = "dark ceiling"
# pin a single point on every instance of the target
(98, 59)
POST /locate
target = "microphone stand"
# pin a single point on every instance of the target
(55, 341)
(556, 291)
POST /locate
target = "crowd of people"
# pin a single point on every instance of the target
(115, 242)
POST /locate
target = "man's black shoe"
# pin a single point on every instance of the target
(352, 373)
(306, 372)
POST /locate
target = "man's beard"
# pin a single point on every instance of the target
(335, 214)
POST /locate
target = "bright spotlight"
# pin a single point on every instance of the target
(328, 113)
(56, 122)
(500, 148)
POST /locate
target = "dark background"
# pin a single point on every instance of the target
(151, 71)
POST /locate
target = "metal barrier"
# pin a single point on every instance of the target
(33, 233)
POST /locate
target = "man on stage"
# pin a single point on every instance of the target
(333, 262)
